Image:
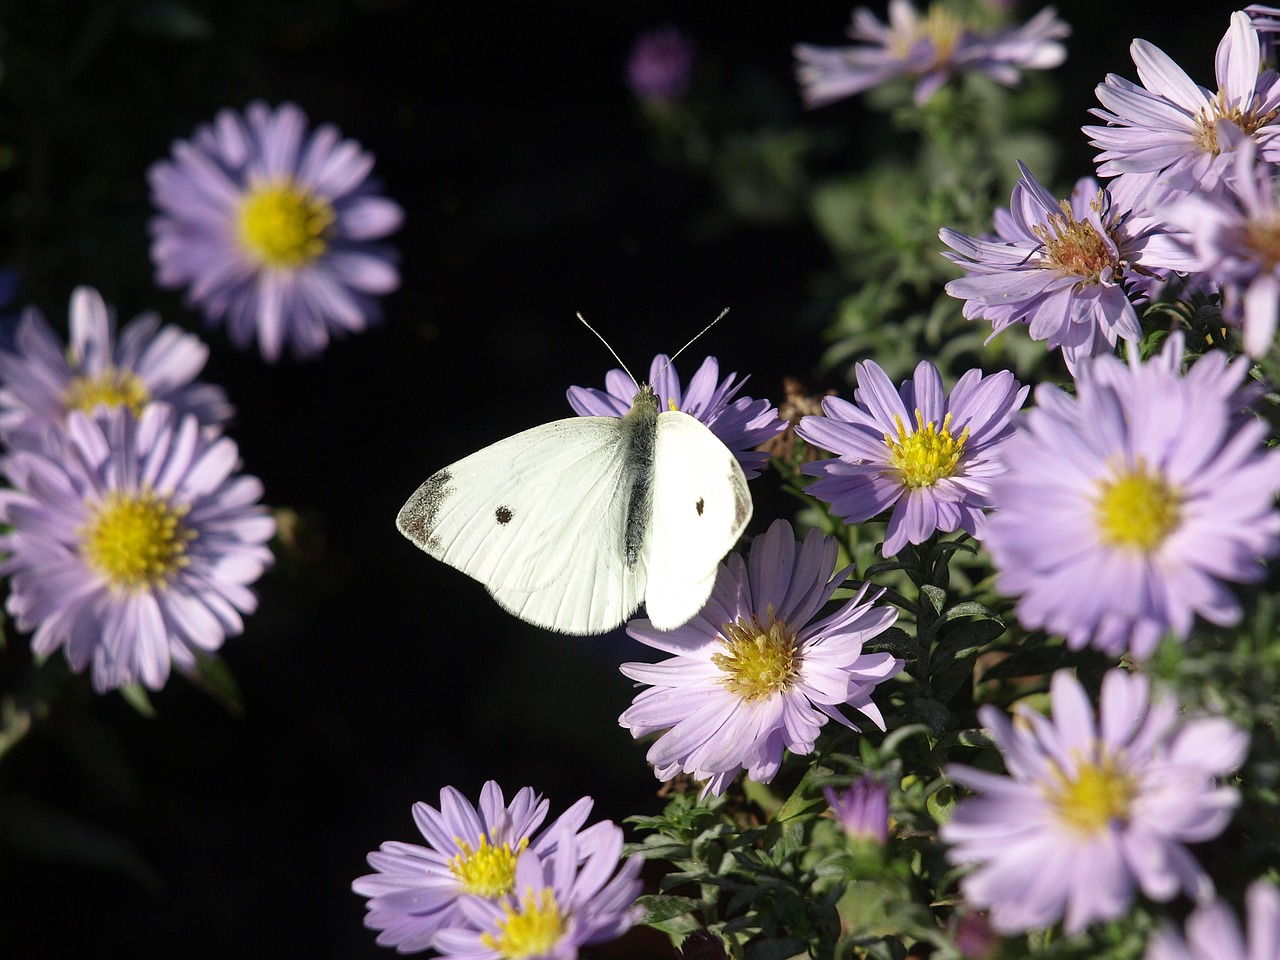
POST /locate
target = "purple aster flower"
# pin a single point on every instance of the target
(1266, 20)
(1121, 511)
(1214, 934)
(271, 229)
(862, 809)
(660, 64)
(1062, 267)
(572, 896)
(44, 379)
(1091, 809)
(741, 425)
(1167, 130)
(1235, 237)
(932, 48)
(471, 853)
(751, 675)
(134, 546)
(928, 456)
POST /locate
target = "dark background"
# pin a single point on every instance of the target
(372, 676)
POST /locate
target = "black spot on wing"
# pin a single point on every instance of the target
(699, 505)
(417, 518)
(503, 515)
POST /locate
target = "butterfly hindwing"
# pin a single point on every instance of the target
(701, 505)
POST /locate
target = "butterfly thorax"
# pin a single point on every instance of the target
(641, 430)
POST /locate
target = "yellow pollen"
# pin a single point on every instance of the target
(1263, 238)
(137, 540)
(939, 26)
(1136, 509)
(1098, 796)
(486, 871)
(283, 224)
(758, 661)
(111, 388)
(531, 930)
(1248, 120)
(928, 454)
(1075, 247)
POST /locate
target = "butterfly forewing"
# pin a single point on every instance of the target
(523, 515)
(701, 505)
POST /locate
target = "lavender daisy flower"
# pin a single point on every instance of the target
(862, 809)
(741, 425)
(1233, 236)
(134, 546)
(660, 64)
(1266, 20)
(751, 675)
(271, 230)
(1121, 511)
(928, 456)
(1214, 934)
(1091, 809)
(44, 379)
(1062, 267)
(932, 48)
(1167, 130)
(471, 853)
(572, 896)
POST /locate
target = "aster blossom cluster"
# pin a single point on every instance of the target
(493, 882)
(132, 539)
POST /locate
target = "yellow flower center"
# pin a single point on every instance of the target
(486, 871)
(1263, 238)
(926, 455)
(1136, 509)
(137, 540)
(1074, 246)
(1098, 796)
(940, 26)
(758, 661)
(111, 388)
(283, 224)
(1248, 120)
(531, 929)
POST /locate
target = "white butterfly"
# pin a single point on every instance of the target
(572, 524)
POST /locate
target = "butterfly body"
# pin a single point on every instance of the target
(571, 524)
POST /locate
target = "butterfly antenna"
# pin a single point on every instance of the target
(612, 351)
(695, 338)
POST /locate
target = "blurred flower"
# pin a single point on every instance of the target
(43, 379)
(1121, 510)
(1062, 267)
(741, 424)
(971, 931)
(272, 231)
(931, 48)
(660, 64)
(564, 898)
(1167, 131)
(929, 457)
(1266, 20)
(1090, 809)
(862, 808)
(751, 676)
(1235, 237)
(134, 546)
(471, 853)
(1214, 934)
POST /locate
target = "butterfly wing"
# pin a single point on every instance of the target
(537, 518)
(701, 505)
